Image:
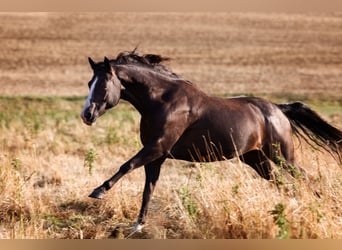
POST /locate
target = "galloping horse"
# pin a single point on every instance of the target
(179, 121)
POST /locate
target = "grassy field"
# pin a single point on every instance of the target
(50, 161)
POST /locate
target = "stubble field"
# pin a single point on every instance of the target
(50, 161)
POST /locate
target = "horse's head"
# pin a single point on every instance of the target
(104, 91)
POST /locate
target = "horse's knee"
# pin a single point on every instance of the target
(126, 168)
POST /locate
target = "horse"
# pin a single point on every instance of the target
(179, 121)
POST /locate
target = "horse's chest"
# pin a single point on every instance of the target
(149, 128)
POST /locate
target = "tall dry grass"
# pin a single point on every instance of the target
(44, 183)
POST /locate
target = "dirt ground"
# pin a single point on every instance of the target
(223, 53)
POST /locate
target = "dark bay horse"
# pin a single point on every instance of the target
(179, 121)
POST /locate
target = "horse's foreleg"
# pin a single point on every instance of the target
(99, 192)
(152, 172)
(145, 156)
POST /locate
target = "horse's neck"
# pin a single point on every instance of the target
(141, 98)
(147, 91)
(132, 99)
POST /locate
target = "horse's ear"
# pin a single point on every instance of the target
(92, 63)
(108, 67)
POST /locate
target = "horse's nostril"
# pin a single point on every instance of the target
(87, 115)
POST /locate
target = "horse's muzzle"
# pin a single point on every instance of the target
(88, 117)
(85, 121)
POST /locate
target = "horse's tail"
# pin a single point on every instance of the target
(308, 124)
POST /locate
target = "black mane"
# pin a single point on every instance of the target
(152, 61)
(133, 57)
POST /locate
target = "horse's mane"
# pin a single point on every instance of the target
(128, 57)
(152, 61)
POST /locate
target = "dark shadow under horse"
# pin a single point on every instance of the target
(179, 121)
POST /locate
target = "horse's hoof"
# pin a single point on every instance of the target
(98, 193)
(137, 227)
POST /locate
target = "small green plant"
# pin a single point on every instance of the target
(235, 189)
(280, 163)
(188, 202)
(111, 136)
(279, 218)
(89, 160)
(16, 164)
(279, 160)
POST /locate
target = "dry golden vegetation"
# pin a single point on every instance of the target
(50, 161)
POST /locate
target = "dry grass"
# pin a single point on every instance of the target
(44, 184)
(43, 144)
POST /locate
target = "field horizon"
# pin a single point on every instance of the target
(50, 161)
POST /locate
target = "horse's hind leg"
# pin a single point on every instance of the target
(259, 162)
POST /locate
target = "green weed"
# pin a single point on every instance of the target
(188, 202)
(16, 164)
(111, 136)
(279, 218)
(89, 160)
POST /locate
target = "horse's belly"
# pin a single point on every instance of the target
(202, 147)
(220, 142)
